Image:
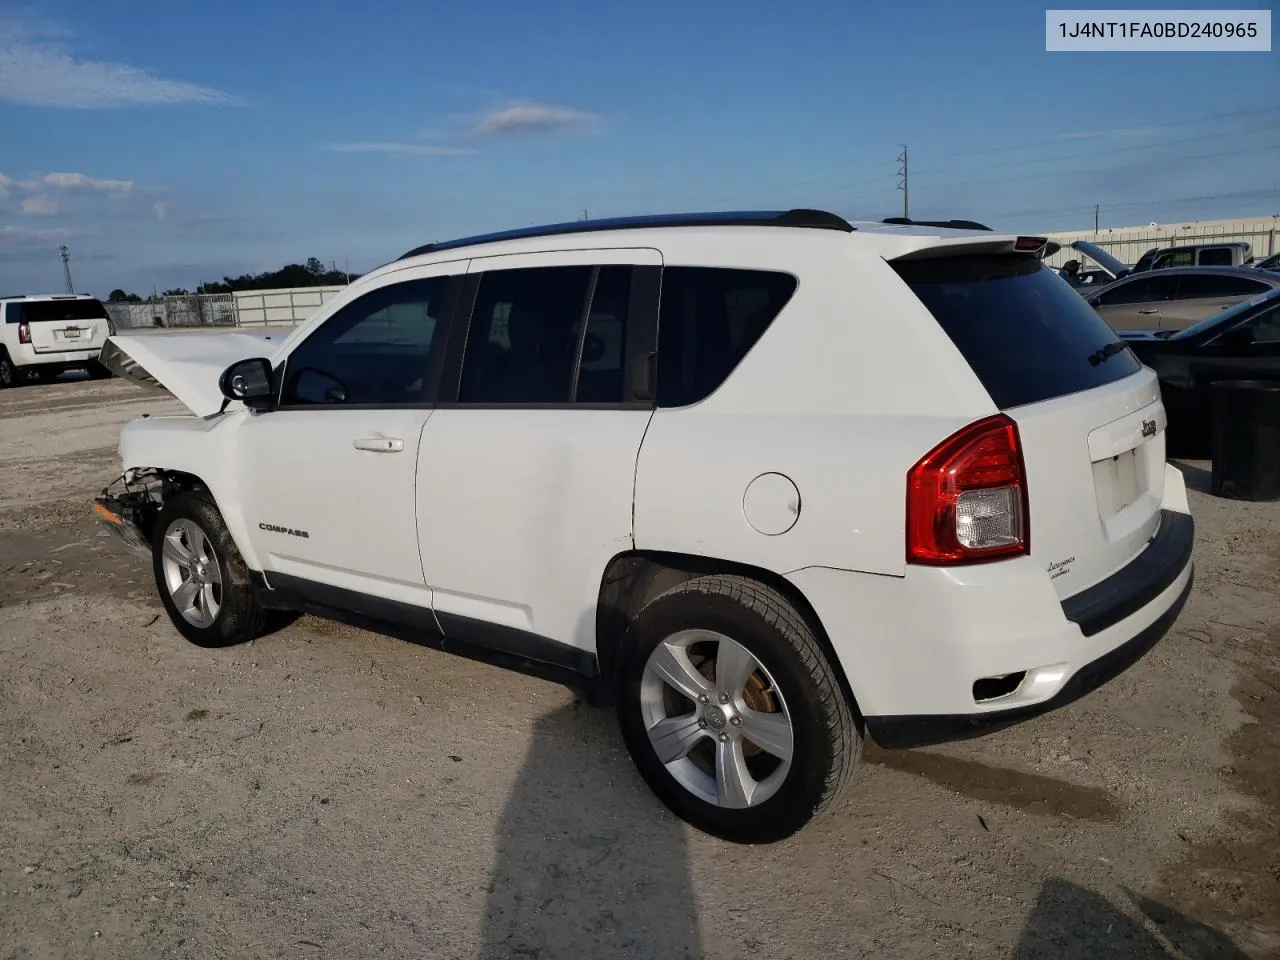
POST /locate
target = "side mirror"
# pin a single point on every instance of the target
(248, 381)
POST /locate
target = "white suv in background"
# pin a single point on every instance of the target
(49, 334)
(765, 481)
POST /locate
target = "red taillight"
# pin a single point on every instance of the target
(24, 333)
(967, 498)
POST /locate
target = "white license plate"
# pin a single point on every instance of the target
(72, 334)
(1118, 481)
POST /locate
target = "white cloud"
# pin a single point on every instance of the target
(40, 207)
(79, 181)
(161, 208)
(416, 149)
(5, 184)
(36, 69)
(22, 234)
(521, 119)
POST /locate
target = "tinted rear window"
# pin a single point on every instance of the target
(1027, 335)
(54, 311)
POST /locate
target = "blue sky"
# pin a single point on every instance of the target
(172, 143)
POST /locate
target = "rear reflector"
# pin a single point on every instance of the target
(24, 333)
(967, 498)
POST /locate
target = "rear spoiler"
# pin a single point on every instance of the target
(1029, 246)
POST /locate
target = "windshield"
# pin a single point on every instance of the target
(1226, 317)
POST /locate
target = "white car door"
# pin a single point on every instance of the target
(327, 477)
(527, 467)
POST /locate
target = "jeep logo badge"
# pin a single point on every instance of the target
(1148, 428)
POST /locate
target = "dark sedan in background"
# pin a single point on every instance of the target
(1239, 343)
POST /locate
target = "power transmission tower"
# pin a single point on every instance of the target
(66, 268)
(902, 159)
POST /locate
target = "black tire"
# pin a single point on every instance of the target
(98, 372)
(10, 375)
(239, 617)
(826, 741)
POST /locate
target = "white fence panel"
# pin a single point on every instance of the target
(285, 306)
(1129, 243)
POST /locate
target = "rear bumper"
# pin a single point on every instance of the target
(923, 652)
(906, 732)
(27, 356)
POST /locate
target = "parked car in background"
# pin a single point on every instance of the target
(1270, 263)
(1233, 254)
(1105, 268)
(1240, 343)
(1174, 298)
(47, 334)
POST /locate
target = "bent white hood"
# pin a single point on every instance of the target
(187, 365)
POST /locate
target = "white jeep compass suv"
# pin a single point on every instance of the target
(48, 334)
(766, 481)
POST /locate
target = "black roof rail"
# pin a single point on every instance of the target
(948, 224)
(813, 219)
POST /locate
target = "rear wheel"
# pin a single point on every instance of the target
(202, 579)
(9, 373)
(731, 711)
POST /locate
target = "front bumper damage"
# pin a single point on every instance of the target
(126, 508)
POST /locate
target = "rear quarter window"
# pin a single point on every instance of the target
(1027, 335)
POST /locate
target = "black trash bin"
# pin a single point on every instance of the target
(1246, 440)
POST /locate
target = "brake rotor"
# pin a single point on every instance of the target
(755, 695)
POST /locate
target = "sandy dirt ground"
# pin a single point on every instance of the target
(325, 792)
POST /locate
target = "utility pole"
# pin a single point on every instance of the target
(584, 213)
(66, 267)
(902, 159)
(1095, 220)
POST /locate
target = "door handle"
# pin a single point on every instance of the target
(379, 444)
(1152, 310)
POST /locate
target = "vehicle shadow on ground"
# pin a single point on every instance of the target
(1069, 922)
(577, 877)
(1197, 478)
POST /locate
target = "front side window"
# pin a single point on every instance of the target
(1141, 290)
(372, 351)
(1266, 328)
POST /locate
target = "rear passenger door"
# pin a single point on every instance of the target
(526, 469)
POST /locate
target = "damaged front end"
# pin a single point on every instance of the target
(127, 507)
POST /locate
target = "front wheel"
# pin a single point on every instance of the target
(732, 712)
(202, 579)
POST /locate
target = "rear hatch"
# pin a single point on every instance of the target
(64, 324)
(1088, 412)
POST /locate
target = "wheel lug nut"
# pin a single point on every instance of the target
(736, 721)
(702, 722)
(724, 698)
(724, 737)
(703, 698)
